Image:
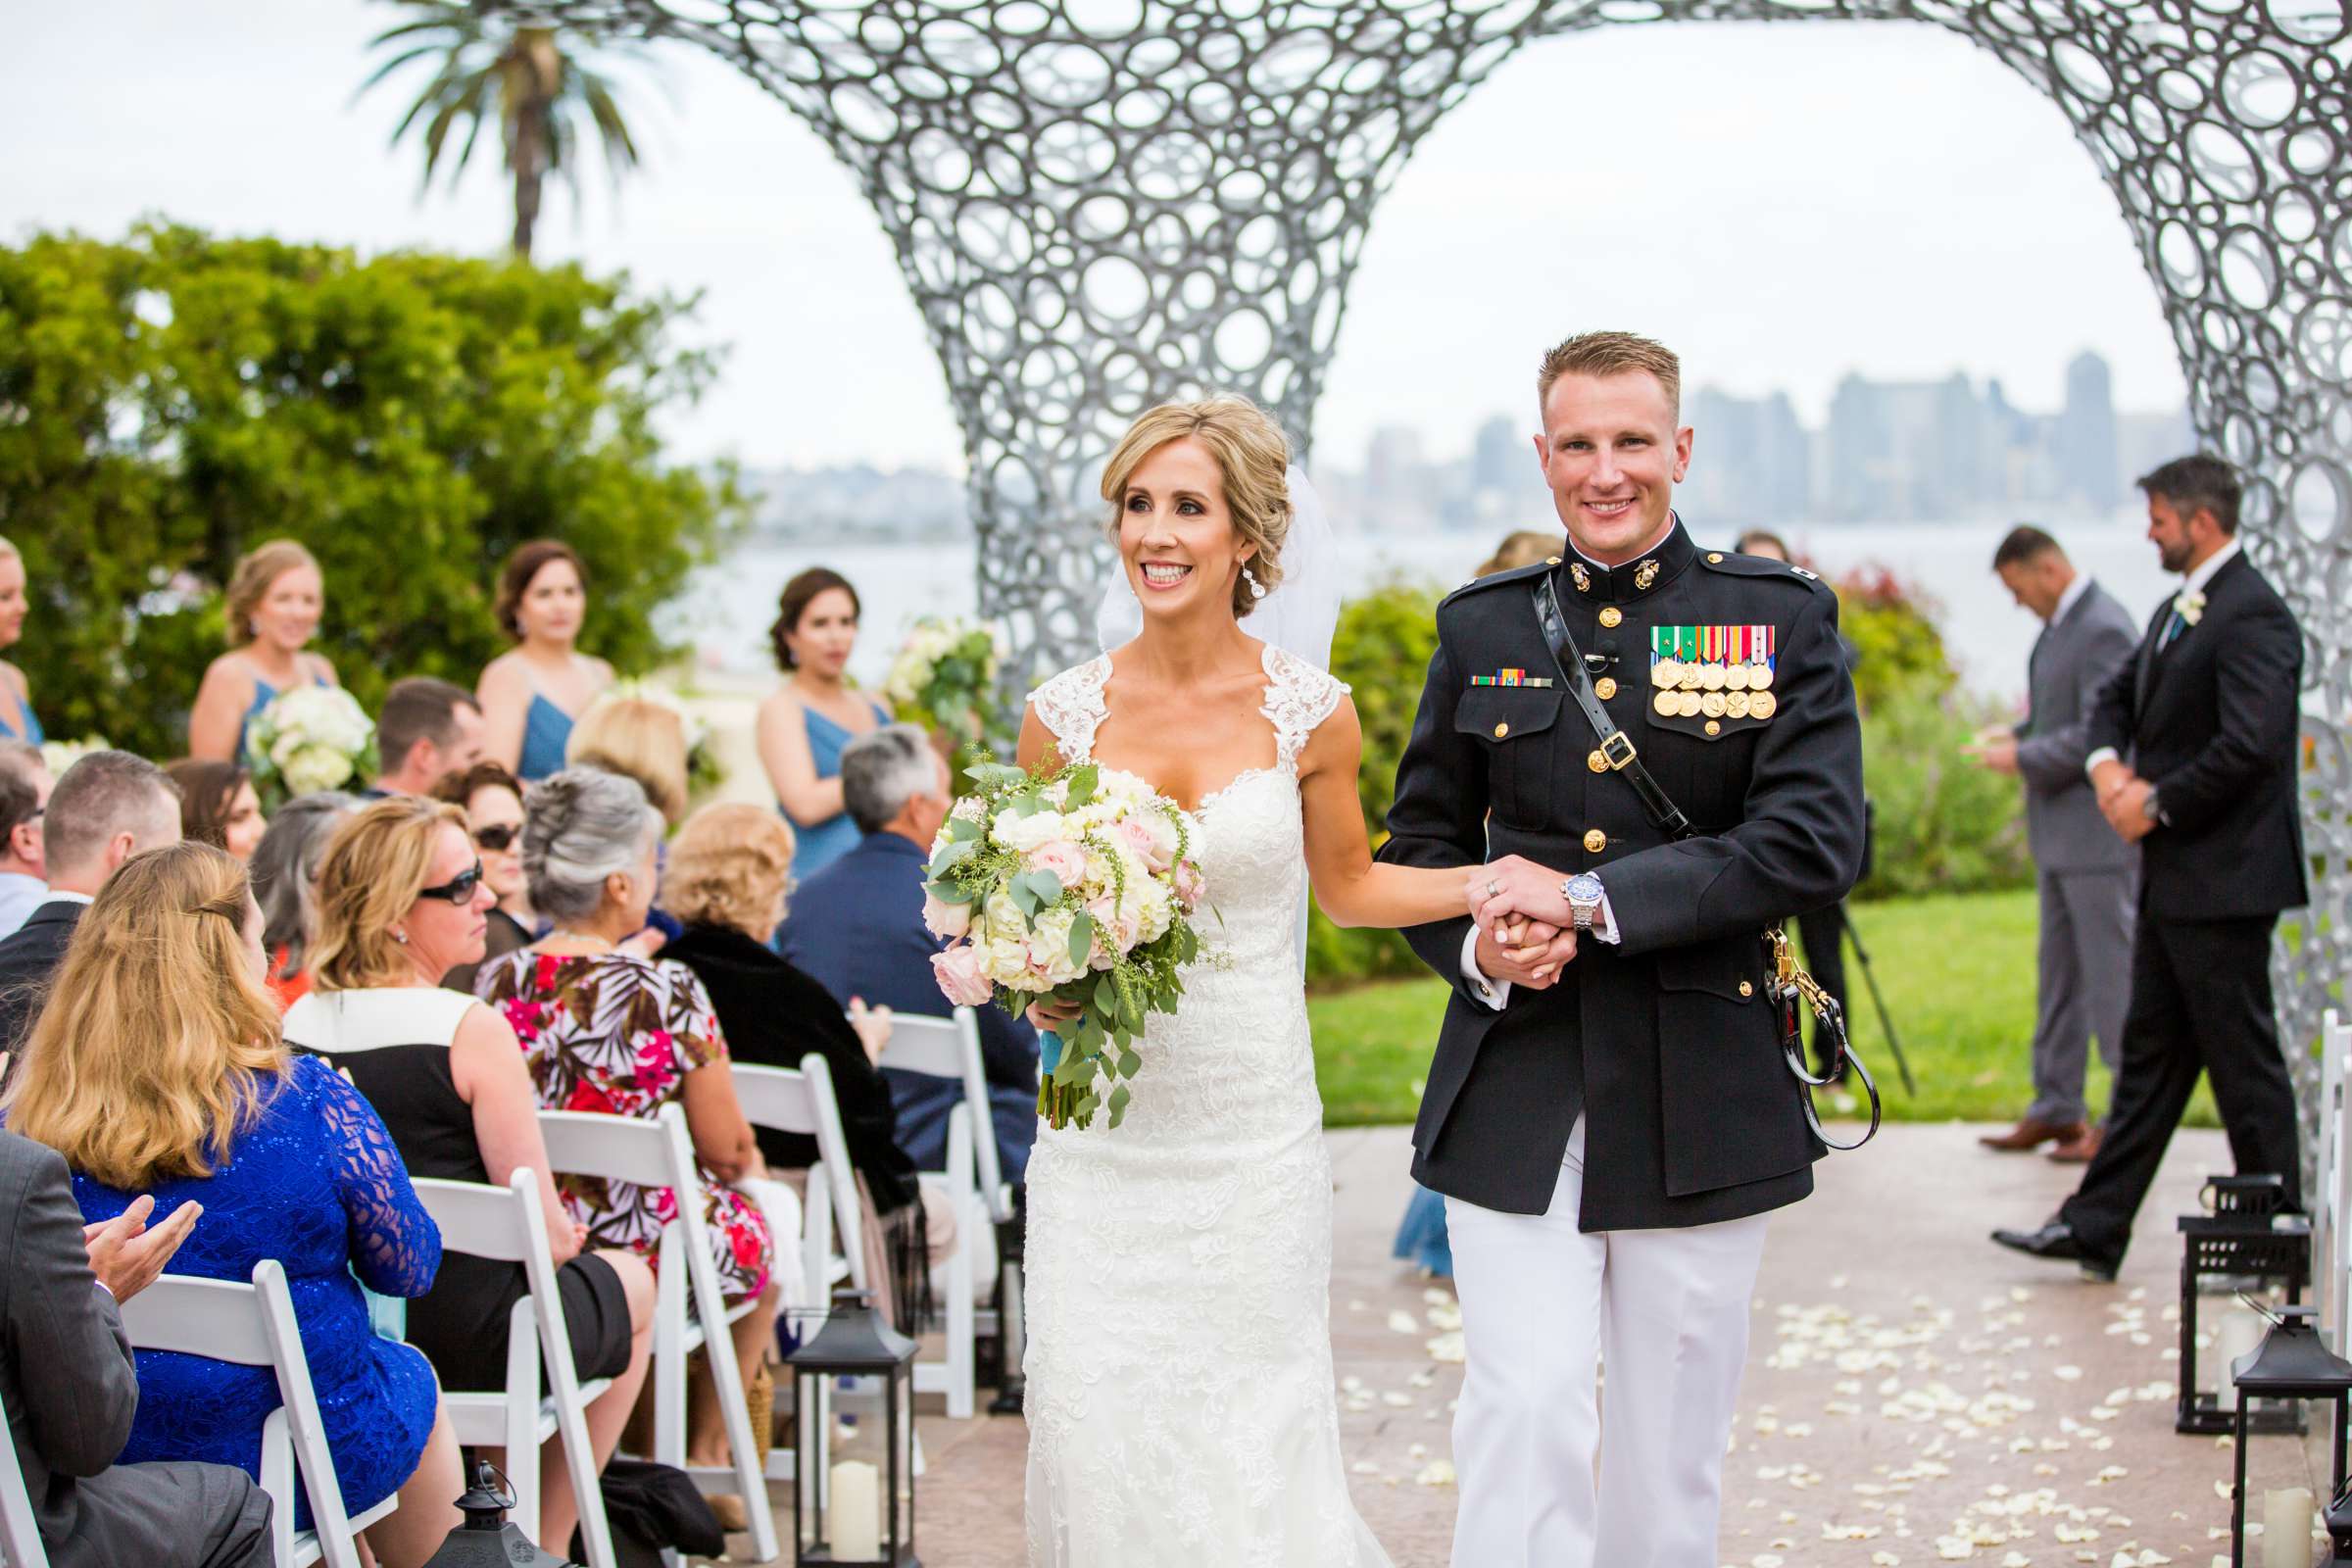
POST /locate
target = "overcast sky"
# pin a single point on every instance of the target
(1781, 204)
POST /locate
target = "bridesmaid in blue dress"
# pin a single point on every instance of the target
(805, 724)
(159, 1070)
(18, 721)
(533, 694)
(273, 604)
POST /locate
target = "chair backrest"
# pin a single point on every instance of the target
(950, 1048)
(19, 1531)
(254, 1325)
(801, 1102)
(2331, 1207)
(478, 1220)
(620, 1149)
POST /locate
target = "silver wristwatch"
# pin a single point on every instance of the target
(1582, 893)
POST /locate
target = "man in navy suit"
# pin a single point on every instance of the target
(858, 927)
(2194, 758)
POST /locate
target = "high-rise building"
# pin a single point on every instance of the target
(2085, 436)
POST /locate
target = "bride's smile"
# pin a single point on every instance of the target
(1182, 552)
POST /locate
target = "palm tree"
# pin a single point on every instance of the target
(529, 80)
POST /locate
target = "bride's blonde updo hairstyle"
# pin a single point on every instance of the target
(1252, 454)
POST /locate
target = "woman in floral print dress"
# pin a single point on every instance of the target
(610, 1031)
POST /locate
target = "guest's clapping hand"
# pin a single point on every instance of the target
(126, 1255)
(872, 1026)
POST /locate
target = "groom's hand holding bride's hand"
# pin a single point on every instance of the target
(1525, 953)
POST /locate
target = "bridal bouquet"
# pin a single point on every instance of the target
(1074, 886)
(310, 738)
(944, 675)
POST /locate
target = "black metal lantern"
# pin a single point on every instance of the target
(2290, 1364)
(486, 1540)
(2248, 1241)
(852, 1491)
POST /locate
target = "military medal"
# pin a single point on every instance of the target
(1664, 673)
(1735, 705)
(1712, 704)
(1668, 704)
(1762, 704)
(1735, 678)
(1687, 704)
(1760, 678)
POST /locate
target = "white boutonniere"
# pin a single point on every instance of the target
(2189, 607)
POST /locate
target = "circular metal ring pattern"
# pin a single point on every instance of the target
(1179, 191)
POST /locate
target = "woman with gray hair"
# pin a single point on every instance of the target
(285, 878)
(608, 1030)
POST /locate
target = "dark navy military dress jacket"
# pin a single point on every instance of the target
(1667, 1039)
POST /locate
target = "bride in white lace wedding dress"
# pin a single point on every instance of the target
(1180, 1396)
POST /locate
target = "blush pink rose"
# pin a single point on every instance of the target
(1190, 885)
(947, 921)
(1064, 858)
(961, 981)
(1138, 836)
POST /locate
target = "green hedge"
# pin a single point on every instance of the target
(170, 401)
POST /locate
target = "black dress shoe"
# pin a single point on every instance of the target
(2057, 1242)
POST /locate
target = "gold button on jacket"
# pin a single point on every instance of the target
(1612, 615)
(1500, 730)
(1595, 841)
(1606, 687)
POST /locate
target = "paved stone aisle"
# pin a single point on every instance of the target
(1914, 1395)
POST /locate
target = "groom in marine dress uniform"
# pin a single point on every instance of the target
(1608, 1114)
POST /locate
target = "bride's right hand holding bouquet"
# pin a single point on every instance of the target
(1071, 891)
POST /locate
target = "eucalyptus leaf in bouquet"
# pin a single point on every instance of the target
(1074, 885)
(944, 677)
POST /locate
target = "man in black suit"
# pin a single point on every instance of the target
(2194, 757)
(1636, 1230)
(71, 1386)
(108, 807)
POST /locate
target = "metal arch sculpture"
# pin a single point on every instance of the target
(1102, 205)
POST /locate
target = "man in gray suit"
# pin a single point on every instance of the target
(70, 1387)
(2084, 871)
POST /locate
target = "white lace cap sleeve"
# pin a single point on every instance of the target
(1070, 706)
(1298, 697)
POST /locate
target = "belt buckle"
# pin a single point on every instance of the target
(1617, 749)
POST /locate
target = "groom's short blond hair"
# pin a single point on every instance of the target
(1254, 457)
(1611, 354)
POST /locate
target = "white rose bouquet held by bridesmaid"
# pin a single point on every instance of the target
(1074, 886)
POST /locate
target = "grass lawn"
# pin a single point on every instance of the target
(1957, 973)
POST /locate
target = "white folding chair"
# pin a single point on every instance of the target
(507, 1225)
(253, 1325)
(2332, 1216)
(19, 1534)
(801, 1102)
(657, 1154)
(974, 1184)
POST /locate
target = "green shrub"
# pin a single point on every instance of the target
(1381, 648)
(170, 401)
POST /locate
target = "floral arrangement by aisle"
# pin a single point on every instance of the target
(58, 755)
(310, 738)
(704, 770)
(944, 677)
(1077, 886)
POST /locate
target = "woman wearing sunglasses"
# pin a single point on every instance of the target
(402, 901)
(492, 800)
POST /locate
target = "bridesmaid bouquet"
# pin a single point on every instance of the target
(944, 677)
(310, 738)
(1075, 886)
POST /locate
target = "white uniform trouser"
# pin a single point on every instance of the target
(1542, 1302)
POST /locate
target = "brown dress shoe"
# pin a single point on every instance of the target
(2032, 1133)
(2079, 1150)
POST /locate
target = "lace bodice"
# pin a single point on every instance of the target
(1202, 1427)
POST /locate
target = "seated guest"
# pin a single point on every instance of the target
(606, 1030)
(860, 932)
(108, 807)
(68, 1381)
(728, 875)
(23, 796)
(285, 874)
(165, 1080)
(217, 806)
(427, 730)
(492, 800)
(401, 900)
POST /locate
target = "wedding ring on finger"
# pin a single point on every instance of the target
(1493, 890)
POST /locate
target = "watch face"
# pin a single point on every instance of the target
(1583, 888)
